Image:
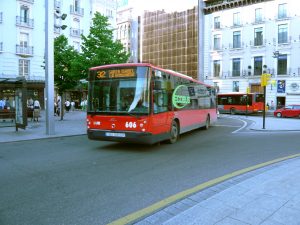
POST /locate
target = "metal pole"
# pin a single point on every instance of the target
(201, 32)
(49, 66)
(264, 110)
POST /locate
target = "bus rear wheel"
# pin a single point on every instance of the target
(174, 132)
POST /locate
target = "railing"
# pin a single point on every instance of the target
(1, 17)
(24, 22)
(259, 20)
(1, 46)
(258, 43)
(24, 50)
(75, 32)
(76, 10)
(237, 46)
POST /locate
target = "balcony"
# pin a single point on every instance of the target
(24, 50)
(259, 21)
(282, 16)
(75, 32)
(76, 10)
(258, 43)
(236, 46)
(24, 22)
(28, 1)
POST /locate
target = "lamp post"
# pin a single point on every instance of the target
(49, 67)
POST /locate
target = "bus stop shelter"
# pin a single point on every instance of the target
(13, 110)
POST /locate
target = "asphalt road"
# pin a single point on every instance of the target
(73, 180)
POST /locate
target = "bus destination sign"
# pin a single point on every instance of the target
(116, 73)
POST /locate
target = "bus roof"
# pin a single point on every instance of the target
(149, 65)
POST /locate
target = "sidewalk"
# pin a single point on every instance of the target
(269, 195)
(273, 123)
(74, 123)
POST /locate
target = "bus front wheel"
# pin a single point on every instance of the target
(174, 132)
(232, 111)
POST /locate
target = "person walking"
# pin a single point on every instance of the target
(36, 110)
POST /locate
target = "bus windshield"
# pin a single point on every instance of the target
(121, 90)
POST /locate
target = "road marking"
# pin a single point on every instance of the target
(224, 125)
(174, 198)
(245, 124)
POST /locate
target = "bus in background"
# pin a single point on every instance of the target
(240, 103)
(142, 103)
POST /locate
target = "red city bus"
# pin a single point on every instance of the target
(242, 103)
(142, 103)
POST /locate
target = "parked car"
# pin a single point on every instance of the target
(288, 111)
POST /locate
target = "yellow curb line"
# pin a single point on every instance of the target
(167, 201)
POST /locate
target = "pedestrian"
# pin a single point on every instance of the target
(2, 103)
(58, 105)
(67, 105)
(272, 105)
(36, 110)
(72, 106)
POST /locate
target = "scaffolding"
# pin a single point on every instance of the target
(170, 40)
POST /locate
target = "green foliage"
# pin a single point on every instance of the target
(65, 63)
(99, 48)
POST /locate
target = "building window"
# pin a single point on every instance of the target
(236, 19)
(217, 42)
(258, 65)
(23, 68)
(217, 24)
(282, 33)
(236, 39)
(24, 37)
(217, 68)
(282, 64)
(258, 36)
(235, 86)
(258, 15)
(282, 11)
(77, 6)
(24, 11)
(236, 67)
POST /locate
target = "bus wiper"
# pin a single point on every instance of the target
(130, 114)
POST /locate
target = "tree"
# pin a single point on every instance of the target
(99, 48)
(66, 75)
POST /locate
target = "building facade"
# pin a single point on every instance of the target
(169, 40)
(246, 38)
(127, 32)
(22, 38)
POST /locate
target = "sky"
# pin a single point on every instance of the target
(167, 5)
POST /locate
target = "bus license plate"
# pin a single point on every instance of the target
(108, 134)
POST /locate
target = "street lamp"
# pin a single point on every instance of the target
(49, 67)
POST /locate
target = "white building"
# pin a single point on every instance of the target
(128, 28)
(246, 38)
(22, 37)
